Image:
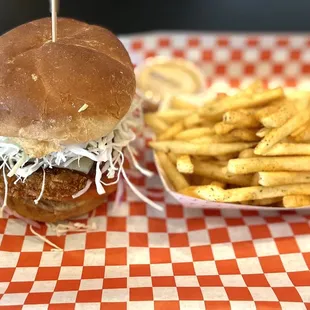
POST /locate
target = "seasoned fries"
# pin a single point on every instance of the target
(184, 164)
(289, 149)
(278, 134)
(155, 123)
(244, 118)
(283, 178)
(171, 116)
(251, 148)
(296, 201)
(193, 133)
(257, 164)
(218, 173)
(215, 193)
(242, 102)
(211, 149)
(277, 119)
(181, 104)
(177, 179)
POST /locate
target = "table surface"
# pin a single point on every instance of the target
(138, 15)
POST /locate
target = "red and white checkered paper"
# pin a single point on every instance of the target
(182, 258)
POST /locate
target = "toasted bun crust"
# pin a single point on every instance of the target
(55, 211)
(44, 84)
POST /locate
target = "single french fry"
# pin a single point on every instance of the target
(283, 178)
(281, 149)
(212, 149)
(280, 117)
(193, 133)
(247, 153)
(180, 103)
(214, 193)
(300, 130)
(175, 177)
(241, 102)
(255, 179)
(241, 117)
(172, 157)
(171, 132)
(303, 136)
(267, 201)
(184, 164)
(171, 116)
(189, 191)
(296, 201)
(215, 139)
(269, 109)
(221, 128)
(155, 123)
(277, 134)
(218, 184)
(244, 134)
(262, 164)
(216, 172)
(192, 120)
(263, 132)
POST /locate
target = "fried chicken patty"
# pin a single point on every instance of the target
(60, 184)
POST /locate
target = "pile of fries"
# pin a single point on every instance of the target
(250, 148)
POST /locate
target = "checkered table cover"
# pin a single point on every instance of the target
(140, 258)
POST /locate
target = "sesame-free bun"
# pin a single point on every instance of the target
(44, 84)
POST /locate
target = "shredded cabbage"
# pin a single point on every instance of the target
(106, 153)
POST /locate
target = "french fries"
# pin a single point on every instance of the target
(279, 118)
(215, 193)
(283, 178)
(247, 153)
(216, 172)
(244, 118)
(184, 164)
(258, 164)
(278, 134)
(172, 157)
(289, 149)
(193, 133)
(189, 191)
(215, 139)
(170, 116)
(177, 179)
(180, 104)
(155, 123)
(251, 148)
(172, 131)
(243, 102)
(296, 201)
(211, 149)
(263, 132)
(244, 134)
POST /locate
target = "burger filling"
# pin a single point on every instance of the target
(69, 172)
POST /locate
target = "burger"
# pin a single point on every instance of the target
(65, 118)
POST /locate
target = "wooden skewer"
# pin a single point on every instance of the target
(54, 5)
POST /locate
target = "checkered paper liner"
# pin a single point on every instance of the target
(182, 258)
